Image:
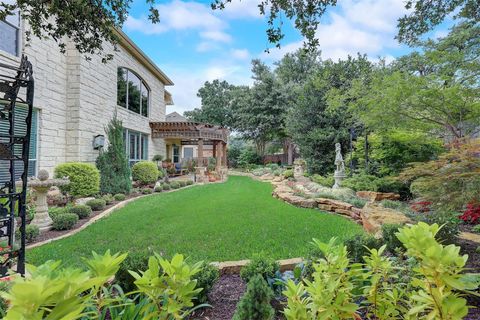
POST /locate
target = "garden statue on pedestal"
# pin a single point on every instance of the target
(299, 168)
(41, 185)
(339, 174)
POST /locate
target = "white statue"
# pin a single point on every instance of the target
(340, 166)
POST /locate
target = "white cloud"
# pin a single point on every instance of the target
(365, 26)
(206, 46)
(240, 54)
(216, 35)
(239, 9)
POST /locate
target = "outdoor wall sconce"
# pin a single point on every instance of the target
(98, 141)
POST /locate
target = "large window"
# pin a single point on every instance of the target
(10, 33)
(136, 144)
(132, 92)
(20, 129)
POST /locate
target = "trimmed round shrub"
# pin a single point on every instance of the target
(55, 211)
(206, 278)
(147, 191)
(96, 204)
(32, 231)
(82, 211)
(145, 172)
(166, 187)
(183, 183)
(119, 197)
(108, 198)
(84, 178)
(189, 182)
(263, 266)
(175, 185)
(65, 221)
(158, 188)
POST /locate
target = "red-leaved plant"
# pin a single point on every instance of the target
(472, 213)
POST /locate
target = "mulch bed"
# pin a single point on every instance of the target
(473, 265)
(51, 234)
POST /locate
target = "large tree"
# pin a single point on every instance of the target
(432, 90)
(90, 23)
(216, 97)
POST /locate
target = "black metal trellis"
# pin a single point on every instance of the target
(16, 90)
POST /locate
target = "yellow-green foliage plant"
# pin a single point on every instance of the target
(439, 277)
(434, 292)
(169, 286)
(330, 294)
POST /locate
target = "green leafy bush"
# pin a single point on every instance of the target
(288, 174)
(273, 167)
(145, 172)
(255, 303)
(108, 198)
(389, 236)
(206, 278)
(449, 224)
(157, 158)
(361, 182)
(147, 191)
(166, 187)
(55, 211)
(476, 228)
(158, 188)
(65, 221)
(183, 183)
(189, 182)
(119, 197)
(266, 267)
(326, 181)
(32, 231)
(84, 178)
(82, 211)
(357, 246)
(96, 204)
(175, 185)
(355, 201)
(136, 260)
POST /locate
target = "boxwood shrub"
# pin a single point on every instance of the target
(145, 172)
(166, 186)
(119, 197)
(189, 182)
(159, 188)
(108, 198)
(82, 211)
(206, 278)
(96, 204)
(135, 261)
(147, 191)
(261, 265)
(32, 231)
(175, 185)
(84, 178)
(65, 221)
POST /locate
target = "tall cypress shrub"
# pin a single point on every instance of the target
(113, 162)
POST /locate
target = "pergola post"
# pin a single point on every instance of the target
(219, 155)
(215, 149)
(224, 153)
(200, 153)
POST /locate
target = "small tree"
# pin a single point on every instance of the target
(255, 304)
(113, 162)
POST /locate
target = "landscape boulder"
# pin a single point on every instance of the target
(377, 196)
(374, 216)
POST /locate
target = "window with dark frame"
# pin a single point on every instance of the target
(136, 145)
(132, 92)
(10, 33)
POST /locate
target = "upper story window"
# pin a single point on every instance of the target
(132, 92)
(10, 33)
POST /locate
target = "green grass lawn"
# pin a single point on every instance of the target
(216, 222)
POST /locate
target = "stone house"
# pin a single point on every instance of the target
(75, 98)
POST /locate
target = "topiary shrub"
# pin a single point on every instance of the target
(135, 261)
(96, 204)
(108, 198)
(259, 265)
(145, 172)
(357, 246)
(206, 278)
(389, 237)
(166, 187)
(175, 185)
(119, 197)
(32, 231)
(147, 191)
(82, 211)
(113, 162)
(255, 303)
(84, 178)
(64, 221)
(287, 174)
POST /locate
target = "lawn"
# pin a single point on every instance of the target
(216, 222)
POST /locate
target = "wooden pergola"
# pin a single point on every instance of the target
(200, 133)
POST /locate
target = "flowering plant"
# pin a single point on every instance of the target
(471, 214)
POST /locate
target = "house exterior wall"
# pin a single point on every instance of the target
(76, 98)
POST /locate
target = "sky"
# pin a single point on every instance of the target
(193, 43)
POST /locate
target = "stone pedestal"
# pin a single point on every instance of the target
(201, 174)
(42, 219)
(298, 169)
(339, 176)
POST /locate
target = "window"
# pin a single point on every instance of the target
(132, 92)
(10, 33)
(187, 152)
(136, 144)
(176, 154)
(20, 129)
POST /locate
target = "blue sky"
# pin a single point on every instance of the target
(193, 44)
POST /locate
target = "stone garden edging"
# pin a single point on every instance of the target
(105, 214)
(234, 267)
